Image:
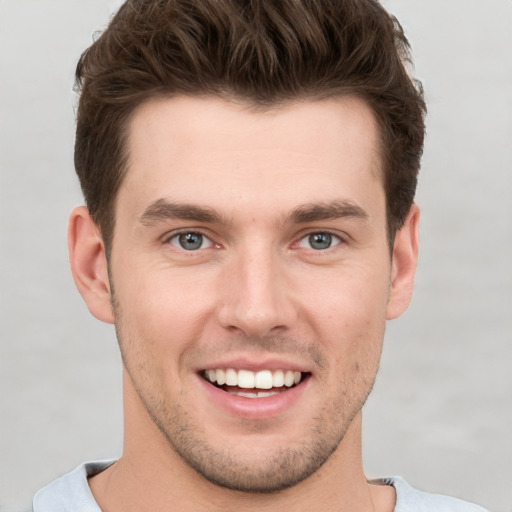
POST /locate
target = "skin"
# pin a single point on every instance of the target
(255, 295)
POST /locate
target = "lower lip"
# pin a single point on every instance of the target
(255, 408)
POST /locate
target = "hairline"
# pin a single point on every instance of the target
(253, 105)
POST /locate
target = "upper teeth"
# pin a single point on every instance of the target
(264, 379)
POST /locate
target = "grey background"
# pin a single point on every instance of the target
(441, 413)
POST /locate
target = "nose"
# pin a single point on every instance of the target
(257, 295)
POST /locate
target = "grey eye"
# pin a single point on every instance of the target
(190, 241)
(319, 241)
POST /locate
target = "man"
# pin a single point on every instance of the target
(249, 171)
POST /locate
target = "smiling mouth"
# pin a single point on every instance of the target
(250, 384)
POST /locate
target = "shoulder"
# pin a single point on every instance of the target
(71, 492)
(409, 499)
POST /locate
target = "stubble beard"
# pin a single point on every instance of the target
(250, 471)
(247, 470)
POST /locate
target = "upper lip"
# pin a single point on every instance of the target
(256, 364)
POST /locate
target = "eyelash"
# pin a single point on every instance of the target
(336, 240)
(175, 235)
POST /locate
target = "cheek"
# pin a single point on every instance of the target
(349, 322)
(161, 299)
(159, 318)
(355, 299)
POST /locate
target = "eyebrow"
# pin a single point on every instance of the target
(162, 210)
(327, 211)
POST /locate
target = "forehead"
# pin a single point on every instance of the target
(219, 153)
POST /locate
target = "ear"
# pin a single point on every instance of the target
(403, 265)
(89, 263)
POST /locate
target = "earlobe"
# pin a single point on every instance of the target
(89, 263)
(405, 257)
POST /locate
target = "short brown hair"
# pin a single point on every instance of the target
(263, 52)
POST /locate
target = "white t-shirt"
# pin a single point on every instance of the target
(71, 493)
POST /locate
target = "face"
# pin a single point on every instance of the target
(251, 280)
